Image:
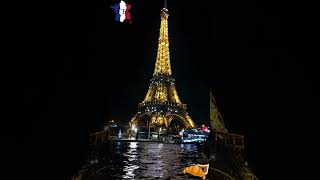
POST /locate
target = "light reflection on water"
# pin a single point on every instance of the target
(130, 165)
(141, 160)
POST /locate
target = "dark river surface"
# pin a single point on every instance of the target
(147, 160)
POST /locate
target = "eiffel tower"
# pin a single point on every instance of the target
(162, 104)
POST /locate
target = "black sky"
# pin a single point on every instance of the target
(72, 68)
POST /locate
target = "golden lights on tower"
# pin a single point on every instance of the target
(163, 66)
(162, 103)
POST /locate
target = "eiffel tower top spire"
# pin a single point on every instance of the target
(163, 66)
(165, 4)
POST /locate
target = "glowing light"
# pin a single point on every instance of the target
(163, 57)
(161, 90)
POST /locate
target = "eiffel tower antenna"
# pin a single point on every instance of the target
(165, 4)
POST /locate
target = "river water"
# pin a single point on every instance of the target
(147, 160)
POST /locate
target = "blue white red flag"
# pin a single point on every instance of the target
(122, 11)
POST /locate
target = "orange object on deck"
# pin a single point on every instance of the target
(196, 170)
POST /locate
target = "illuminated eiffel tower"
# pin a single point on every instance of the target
(162, 104)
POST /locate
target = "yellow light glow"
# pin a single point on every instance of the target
(162, 89)
(163, 56)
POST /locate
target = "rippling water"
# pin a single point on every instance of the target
(141, 160)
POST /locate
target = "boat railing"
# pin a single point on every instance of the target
(229, 139)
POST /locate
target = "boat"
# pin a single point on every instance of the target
(194, 136)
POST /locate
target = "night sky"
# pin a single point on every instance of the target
(72, 68)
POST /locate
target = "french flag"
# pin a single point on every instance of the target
(122, 11)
